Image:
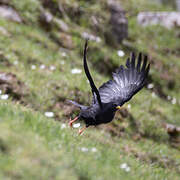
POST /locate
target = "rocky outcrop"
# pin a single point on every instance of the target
(118, 22)
(48, 20)
(166, 19)
(9, 13)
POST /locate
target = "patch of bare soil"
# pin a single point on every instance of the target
(9, 84)
(174, 134)
(66, 108)
(114, 128)
(162, 161)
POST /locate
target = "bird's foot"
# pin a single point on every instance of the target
(81, 130)
(72, 121)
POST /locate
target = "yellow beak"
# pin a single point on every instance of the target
(118, 107)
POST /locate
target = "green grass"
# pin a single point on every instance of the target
(35, 147)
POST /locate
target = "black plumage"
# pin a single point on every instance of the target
(126, 82)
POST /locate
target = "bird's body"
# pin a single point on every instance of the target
(95, 115)
(126, 82)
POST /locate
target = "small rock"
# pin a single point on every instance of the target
(61, 24)
(166, 19)
(5, 1)
(10, 84)
(48, 17)
(9, 13)
(66, 40)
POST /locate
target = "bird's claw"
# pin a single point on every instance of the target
(70, 124)
(71, 121)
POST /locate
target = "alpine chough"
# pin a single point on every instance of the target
(126, 82)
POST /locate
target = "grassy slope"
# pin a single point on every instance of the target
(32, 146)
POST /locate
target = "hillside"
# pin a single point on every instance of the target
(41, 48)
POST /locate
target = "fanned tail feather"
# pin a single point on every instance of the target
(76, 104)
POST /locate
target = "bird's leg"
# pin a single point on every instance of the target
(72, 121)
(81, 130)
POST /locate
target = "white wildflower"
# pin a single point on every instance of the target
(76, 71)
(150, 86)
(62, 62)
(92, 37)
(153, 94)
(16, 62)
(64, 54)
(33, 67)
(94, 149)
(169, 97)
(42, 66)
(63, 125)
(4, 96)
(49, 114)
(52, 68)
(129, 106)
(76, 125)
(98, 39)
(173, 101)
(0, 91)
(85, 35)
(84, 149)
(125, 167)
(120, 53)
(4, 31)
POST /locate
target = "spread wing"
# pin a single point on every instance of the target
(127, 81)
(94, 89)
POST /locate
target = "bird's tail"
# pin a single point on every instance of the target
(77, 104)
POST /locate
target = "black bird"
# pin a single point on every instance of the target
(127, 81)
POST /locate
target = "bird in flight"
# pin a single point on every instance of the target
(126, 82)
